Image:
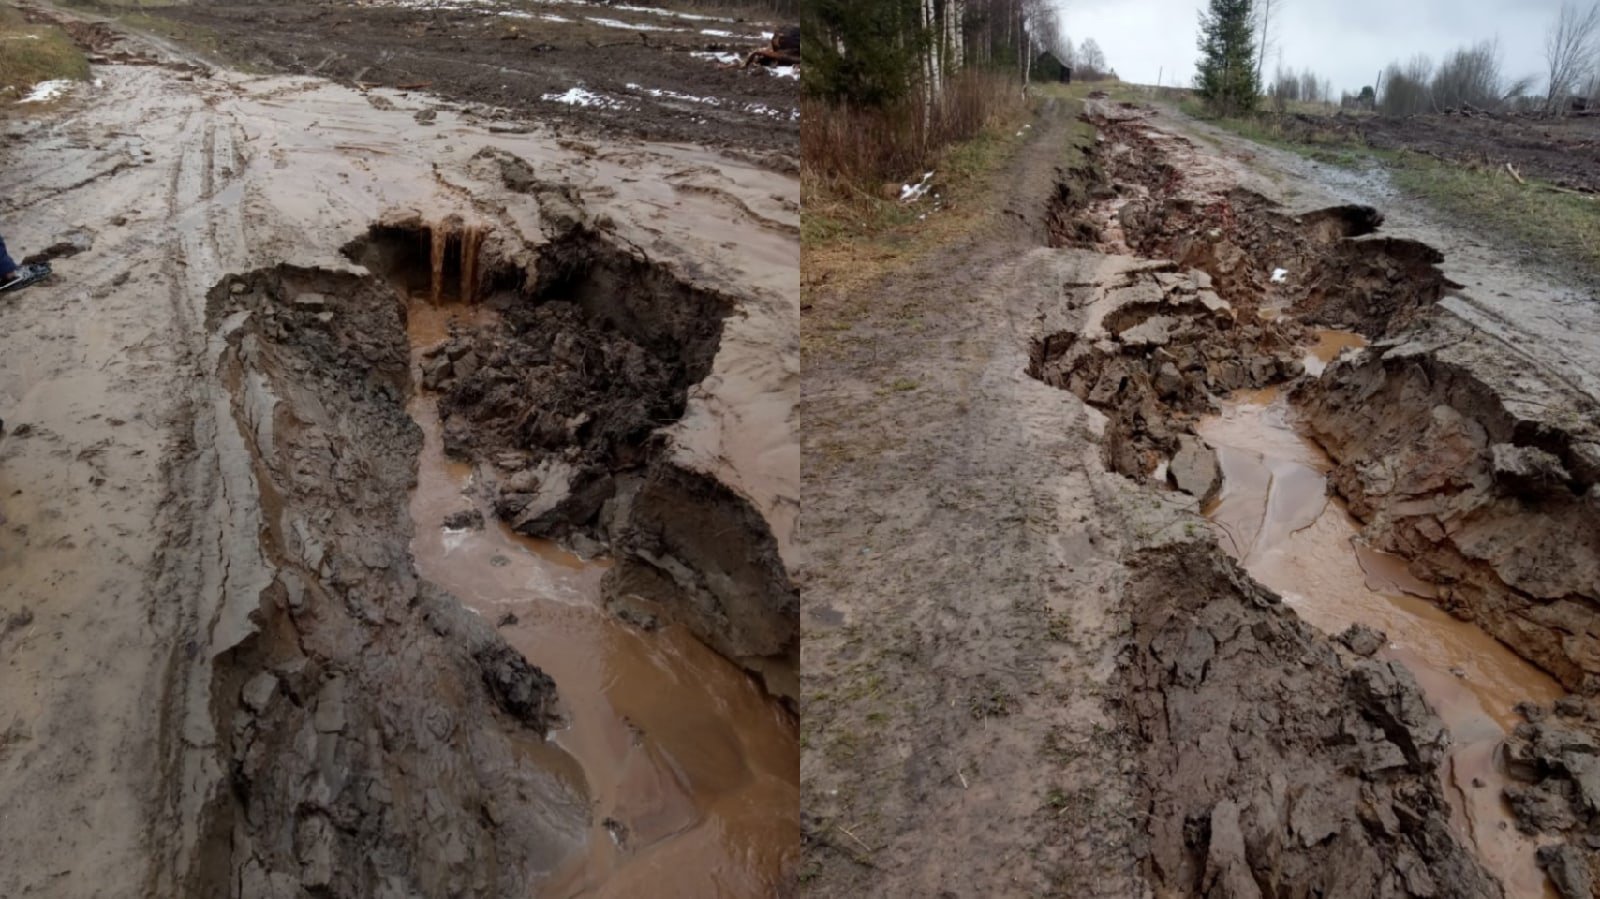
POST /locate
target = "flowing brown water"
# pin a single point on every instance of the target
(1275, 516)
(691, 770)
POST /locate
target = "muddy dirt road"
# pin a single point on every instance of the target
(1058, 643)
(259, 635)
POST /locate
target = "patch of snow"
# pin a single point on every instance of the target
(1280, 275)
(674, 95)
(911, 193)
(613, 23)
(792, 115)
(668, 12)
(45, 91)
(727, 59)
(578, 96)
(785, 71)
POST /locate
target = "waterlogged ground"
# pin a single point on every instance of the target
(1275, 516)
(688, 763)
(645, 71)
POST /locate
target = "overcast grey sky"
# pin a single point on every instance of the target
(1347, 41)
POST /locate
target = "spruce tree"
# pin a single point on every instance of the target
(862, 53)
(1227, 77)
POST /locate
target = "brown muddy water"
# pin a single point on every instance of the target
(1274, 515)
(691, 770)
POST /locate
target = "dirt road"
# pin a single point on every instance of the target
(1030, 668)
(223, 674)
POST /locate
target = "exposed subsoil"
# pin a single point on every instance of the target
(1564, 151)
(239, 661)
(563, 398)
(1491, 487)
(1272, 766)
(637, 65)
(359, 676)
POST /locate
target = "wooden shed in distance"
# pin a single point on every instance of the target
(1052, 69)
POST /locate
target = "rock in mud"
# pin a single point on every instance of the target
(568, 396)
(1556, 756)
(1270, 769)
(464, 520)
(1389, 696)
(1568, 870)
(1362, 640)
(1194, 470)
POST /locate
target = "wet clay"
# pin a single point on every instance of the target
(209, 504)
(1274, 515)
(691, 769)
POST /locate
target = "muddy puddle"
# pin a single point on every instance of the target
(1274, 514)
(690, 768)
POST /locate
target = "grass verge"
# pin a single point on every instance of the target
(852, 234)
(1552, 227)
(32, 53)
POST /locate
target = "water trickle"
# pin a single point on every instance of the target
(471, 245)
(454, 245)
(1275, 516)
(438, 244)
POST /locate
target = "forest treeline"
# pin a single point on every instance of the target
(889, 82)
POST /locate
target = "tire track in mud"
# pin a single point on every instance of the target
(960, 584)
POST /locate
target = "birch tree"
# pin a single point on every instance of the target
(1569, 51)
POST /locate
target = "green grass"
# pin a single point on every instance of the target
(851, 241)
(1326, 145)
(30, 54)
(836, 213)
(1558, 229)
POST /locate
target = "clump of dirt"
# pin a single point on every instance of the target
(1482, 471)
(1075, 189)
(564, 401)
(555, 396)
(1155, 352)
(1324, 266)
(1556, 755)
(1273, 767)
(379, 738)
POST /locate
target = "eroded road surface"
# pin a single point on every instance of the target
(395, 505)
(1201, 530)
